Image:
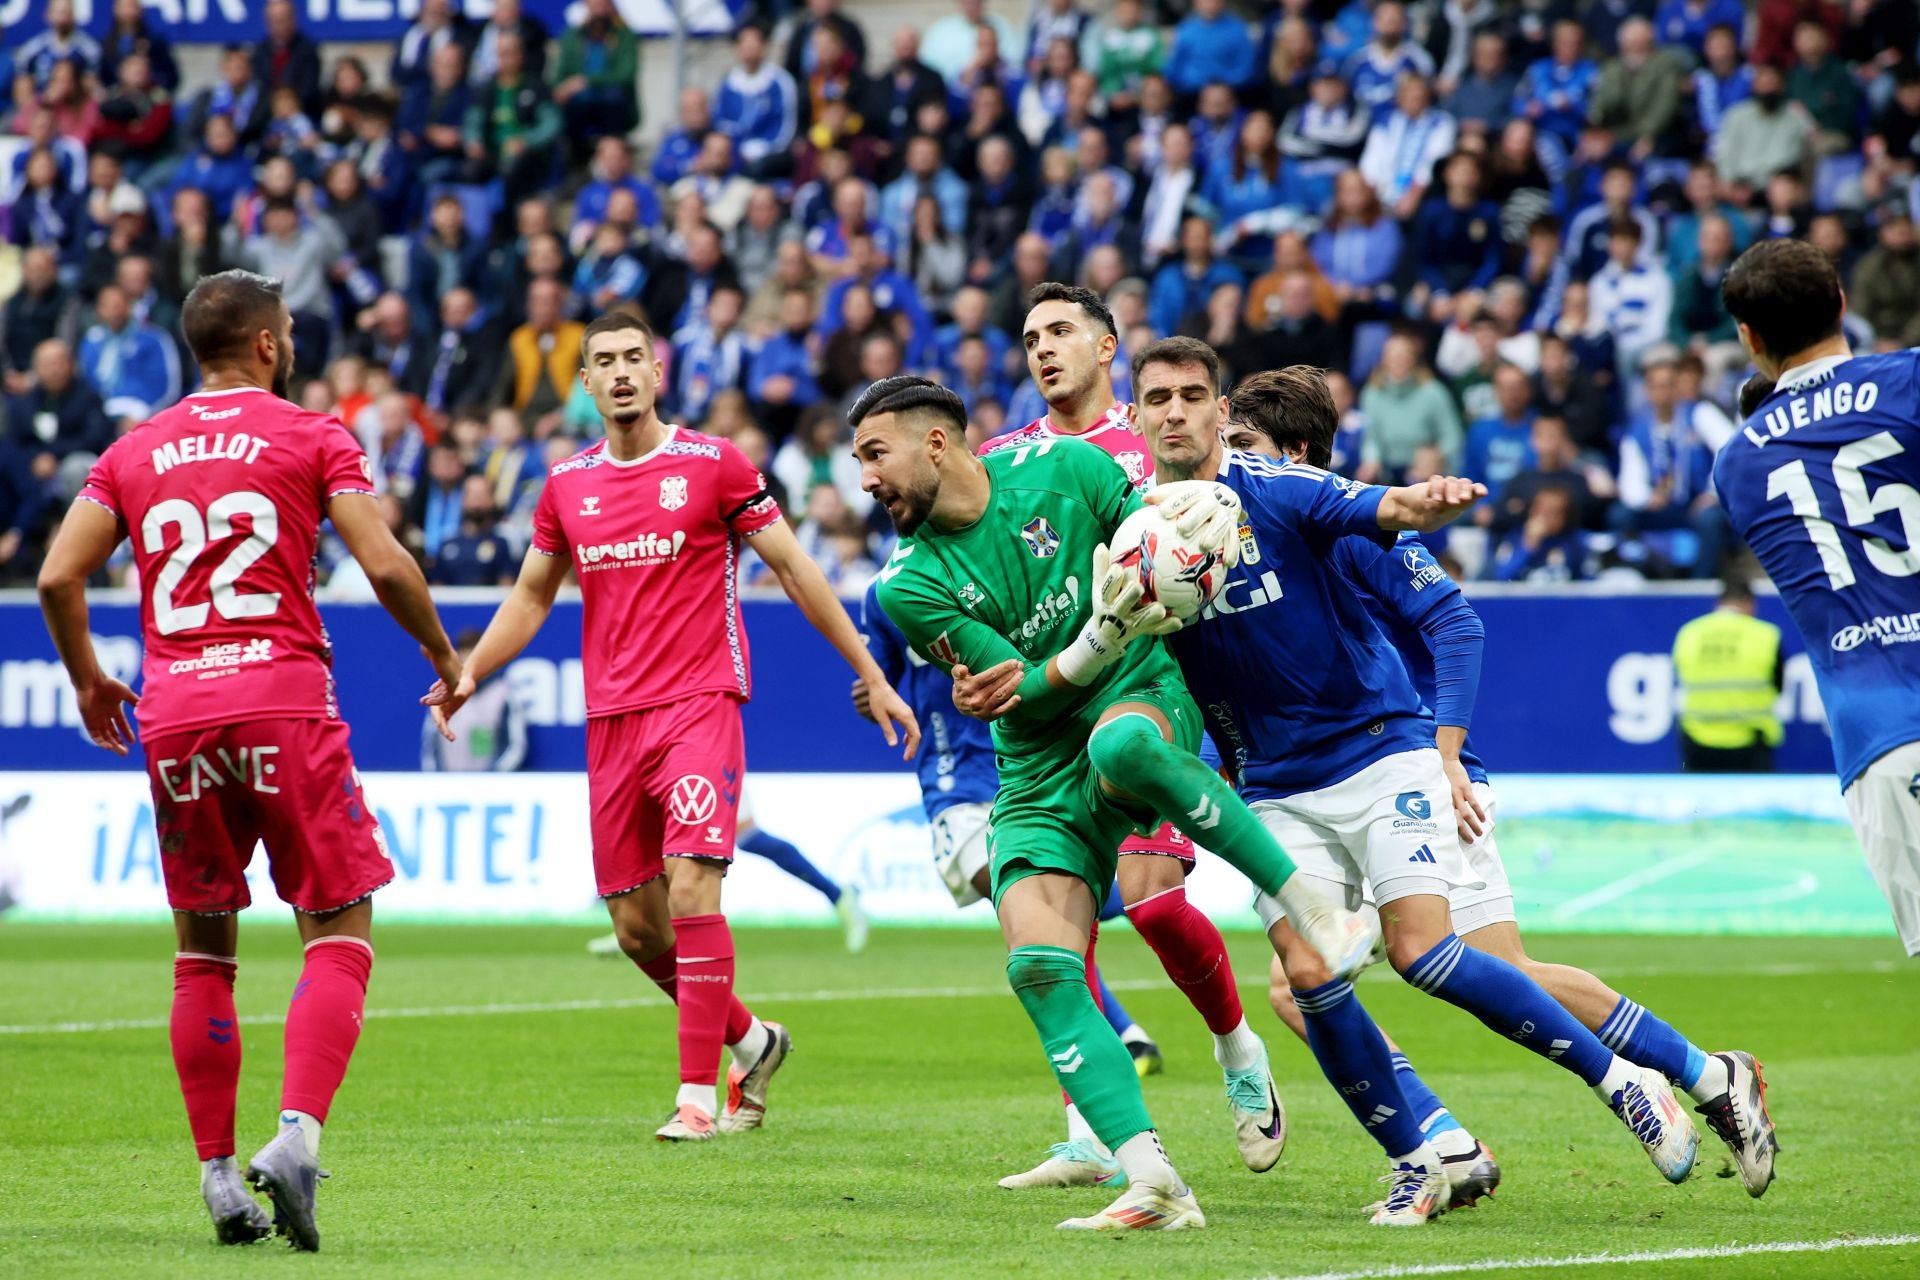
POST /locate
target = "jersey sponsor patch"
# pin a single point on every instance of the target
(692, 800)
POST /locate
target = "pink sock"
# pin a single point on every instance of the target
(206, 1048)
(1192, 952)
(323, 1022)
(664, 970)
(709, 1015)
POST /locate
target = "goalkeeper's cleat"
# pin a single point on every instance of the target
(1146, 1057)
(1069, 1164)
(1343, 938)
(687, 1124)
(747, 1090)
(1259, 1121)
(1415, 1196)
(290, 1176)
(1144, 1209)
(1739, 1118)
(237, 1216)
(1645, 1104)
(1470, 1176)
(853, 921)
(607, 947)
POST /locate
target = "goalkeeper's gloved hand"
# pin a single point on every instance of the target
(1203, 512)
(1119, 617)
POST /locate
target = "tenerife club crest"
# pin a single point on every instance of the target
(673, 493)
(1040, 538)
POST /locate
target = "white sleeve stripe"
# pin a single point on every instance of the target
(542, 550)
(107, 507)
(334, 493)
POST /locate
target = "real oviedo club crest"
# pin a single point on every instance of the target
(1040, 538)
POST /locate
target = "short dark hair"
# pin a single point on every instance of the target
(1178, 351)
(614, 322)
(1752, 392)
(1786, 292)
(1087, 300)
(909, 393)
(1627, 228)
(224, 312)
(1736, 591)
(1291, 407)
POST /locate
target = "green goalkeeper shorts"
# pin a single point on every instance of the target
(1062, 823)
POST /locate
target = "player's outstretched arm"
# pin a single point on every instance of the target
(87, 536)
(396, 579)
(1424, 507)
(515, 623)
(807, 587)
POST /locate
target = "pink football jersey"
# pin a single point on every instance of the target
(656, 545)
(223, 496)
(1115, 433)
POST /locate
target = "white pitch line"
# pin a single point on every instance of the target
(1379, 974)
(1628, 883)
(1603, 1259)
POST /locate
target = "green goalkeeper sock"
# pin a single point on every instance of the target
(1130, 753)
(1090, 1062)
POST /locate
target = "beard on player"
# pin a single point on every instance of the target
(909, 503)
(283, 369)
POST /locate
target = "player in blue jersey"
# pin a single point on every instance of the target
(957, 780)
(1422, 613)
(1336, 754)
(1823, 481)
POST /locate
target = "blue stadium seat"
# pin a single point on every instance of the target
(1836, 182)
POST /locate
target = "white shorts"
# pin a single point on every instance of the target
(1884, 803)
(960, 849)
(1492, 902)
(1388, 829)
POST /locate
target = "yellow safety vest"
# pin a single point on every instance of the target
(1725, 663)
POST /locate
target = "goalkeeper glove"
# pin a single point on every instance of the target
(1204, 513)
(1118, 618)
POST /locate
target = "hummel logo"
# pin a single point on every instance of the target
(1381, 1114)
(1068, 1060)
(1558, 1047)
(1206, 814)
(590, 505)
(1424, 854)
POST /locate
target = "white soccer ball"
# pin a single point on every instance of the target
(1174, 571)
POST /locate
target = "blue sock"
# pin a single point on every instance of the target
(1645, 1040)
(1355, 1058)
(790, 860)
(1117, 1016)
(1511, 1003)
(1113, 908)
(1431, 1113)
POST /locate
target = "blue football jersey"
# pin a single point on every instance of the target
(1299, 687)
(1402, 587)
(956, 762)
(1823, 481)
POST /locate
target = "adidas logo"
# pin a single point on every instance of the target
(1424, 854)
(1381, 1114)
(1558, 1047)
(1068, 1060)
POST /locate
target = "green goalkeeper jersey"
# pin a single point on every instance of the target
(1017, 583)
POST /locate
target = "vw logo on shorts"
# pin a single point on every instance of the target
(692, 800)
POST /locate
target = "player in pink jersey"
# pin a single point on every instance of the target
(224, 495)
(1070, 344)
(651, 521)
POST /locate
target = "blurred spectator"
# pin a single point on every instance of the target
(65, 102)
(1210, 46)
(511, 128)
(508, 19)
(1548, 547)
(924, 174)
(431, 124)
(1591, 231)
(132, 364)
(58, 415)
(818, 455)
(1123, 50)
(237, 97)
(1666, 473)
(1761, 136)
(62, 43)
(543, 358)
(1408, 409)
(1703, 201)
(193, 248)
(1183, 287)
(1556, 92)
(474, 556)
(1554, 464)
(1887, 281)
(130, 34)
(710, 354)
(594, 77)
(715, 178)
(612, 171)
(1824, 85)
(1700, 322)
(1456, 240)
(46, 214)
(24, 504)
(136, 117)
(438, 26)
(1723, 80)
(288, 57)
(41, 310)
(907, 85)
(1638, 96)
(950, 44)
(678, 291)
(1500, 447)
(781, 378)
(1359, 249)
(1297, 332)
(490, 735)
(438, 501)
(758, 107)
(1375, 70)
(1404, 147)
(1565, 391)
(298, 250)
(1176, 181)
(825, 13)
(466, 355)
(217, 167)
(1483, 97)
(448, 255)
(1630, 298)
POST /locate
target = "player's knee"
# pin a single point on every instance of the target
(642, 939)
(1122, 751)
(1033, 971)
(1406, 946)
(1304, 969)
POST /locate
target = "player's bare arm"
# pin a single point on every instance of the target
(807, 587)
(514, 625)
(396, 578)
(1467, 809)
(1424, 507)
(87, 537)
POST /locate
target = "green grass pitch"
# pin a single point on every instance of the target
(498, 1118)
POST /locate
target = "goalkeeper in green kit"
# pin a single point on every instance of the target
(1006, 557)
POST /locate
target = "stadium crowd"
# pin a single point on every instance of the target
(1501, 223)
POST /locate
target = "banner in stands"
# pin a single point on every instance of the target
(228, 21)
(1572, 683)
(1587, 854)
